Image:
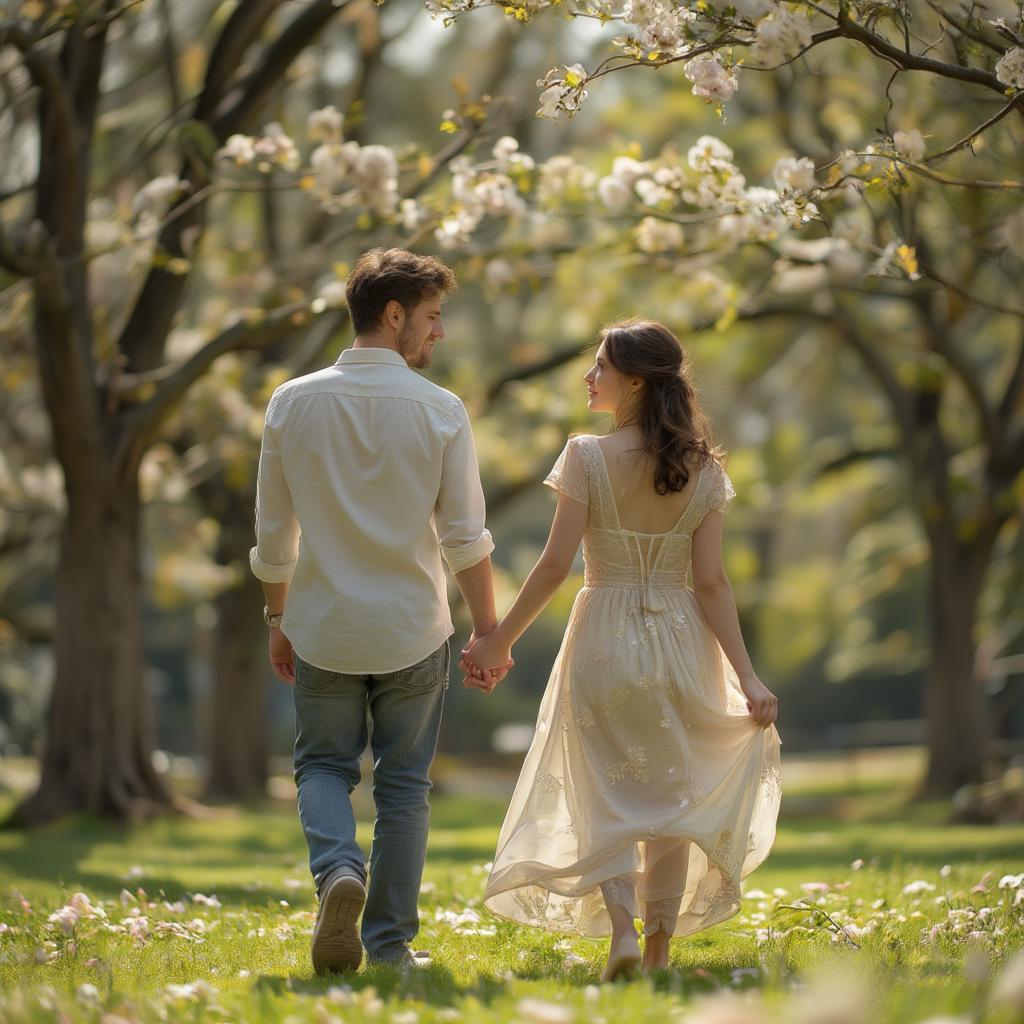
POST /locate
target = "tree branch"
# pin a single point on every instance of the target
(239, 32)
(913, 62)
(13, 256)
(879, 368)
(1014, 387)
(145, 331)
(971, 137)
(171, 383)
(257, 87)
(46, 74)
(943, 345)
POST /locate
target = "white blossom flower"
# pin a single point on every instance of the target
(411, 214)
(794, 175)
(324, 125)
(919, 885)
(753, 9)
(653, 194)
(909, 143)
(654, 235)
(614, 193)
(780, 36)
(504, 149)
(498, 273)
(628, 170)
(277, 148)
(709, 154)
(550, 102)
(562, 174)
(332, 294)
(239, 148)
(710, 79)
(1010, 68)
(660, 23)
(157, 193)
(508, 158)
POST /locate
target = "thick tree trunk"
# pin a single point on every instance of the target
(957, 720)
(98, 752)
(237, 746)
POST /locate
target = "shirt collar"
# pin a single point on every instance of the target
(371, 355)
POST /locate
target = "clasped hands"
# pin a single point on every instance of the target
(485, 661)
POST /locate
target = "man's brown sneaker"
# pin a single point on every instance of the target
(336, 945)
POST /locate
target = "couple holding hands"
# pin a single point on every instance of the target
(652, 784)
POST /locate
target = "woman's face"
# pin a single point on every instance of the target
(607, 387)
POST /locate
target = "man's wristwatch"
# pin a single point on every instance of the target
(272, 620)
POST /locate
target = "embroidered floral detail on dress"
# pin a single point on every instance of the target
(723, 848)
(548, 783)
(688, 791)
(771, 774)
(635, 765)
(584, 718)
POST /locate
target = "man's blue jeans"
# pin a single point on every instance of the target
(400, 714)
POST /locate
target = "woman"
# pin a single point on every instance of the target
(652, 784)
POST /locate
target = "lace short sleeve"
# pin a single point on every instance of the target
(569, 474)
(721, 491)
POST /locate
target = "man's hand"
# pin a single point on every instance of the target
(282, 657)
(485, 661)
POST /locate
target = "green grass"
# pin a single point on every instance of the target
(252, 949)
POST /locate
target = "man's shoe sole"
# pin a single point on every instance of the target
(336, 945)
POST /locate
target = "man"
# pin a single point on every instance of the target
(367, 477)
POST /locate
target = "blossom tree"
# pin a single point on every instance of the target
(110, 381)
(916, 233)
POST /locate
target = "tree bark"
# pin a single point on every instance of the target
(957, 721)
(99, 736)
(236, 731)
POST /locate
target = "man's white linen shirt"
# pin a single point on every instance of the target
(367, 476)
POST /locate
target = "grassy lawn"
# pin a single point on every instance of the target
(209, 920)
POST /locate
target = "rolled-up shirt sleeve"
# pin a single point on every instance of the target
(460, 513)
(273, 558)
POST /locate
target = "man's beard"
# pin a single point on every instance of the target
(406, 341)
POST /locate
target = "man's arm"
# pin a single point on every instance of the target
(477, 586)
(282, 657)
(460, 516)
(277, 537)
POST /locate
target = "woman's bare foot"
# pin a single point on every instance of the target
(623, 956)
(656, 948)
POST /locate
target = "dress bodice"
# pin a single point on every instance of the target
(613, 556)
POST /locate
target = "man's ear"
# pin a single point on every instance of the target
(394, 314)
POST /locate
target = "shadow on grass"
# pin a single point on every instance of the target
(433, 984)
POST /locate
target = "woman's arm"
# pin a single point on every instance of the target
(714, 594)
(545, 578)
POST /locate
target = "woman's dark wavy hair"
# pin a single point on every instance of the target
(671, 421)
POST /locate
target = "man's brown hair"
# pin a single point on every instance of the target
(383, 275)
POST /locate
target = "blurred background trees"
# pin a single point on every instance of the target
(167, 260)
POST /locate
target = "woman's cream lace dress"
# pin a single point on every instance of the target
(647, 781)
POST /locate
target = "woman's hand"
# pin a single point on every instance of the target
(486, 661)
(762, 704)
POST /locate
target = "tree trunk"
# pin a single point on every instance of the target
(99, 736)
(237, 744)
(957, 721)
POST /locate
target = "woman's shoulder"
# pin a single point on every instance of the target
(581, 441)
